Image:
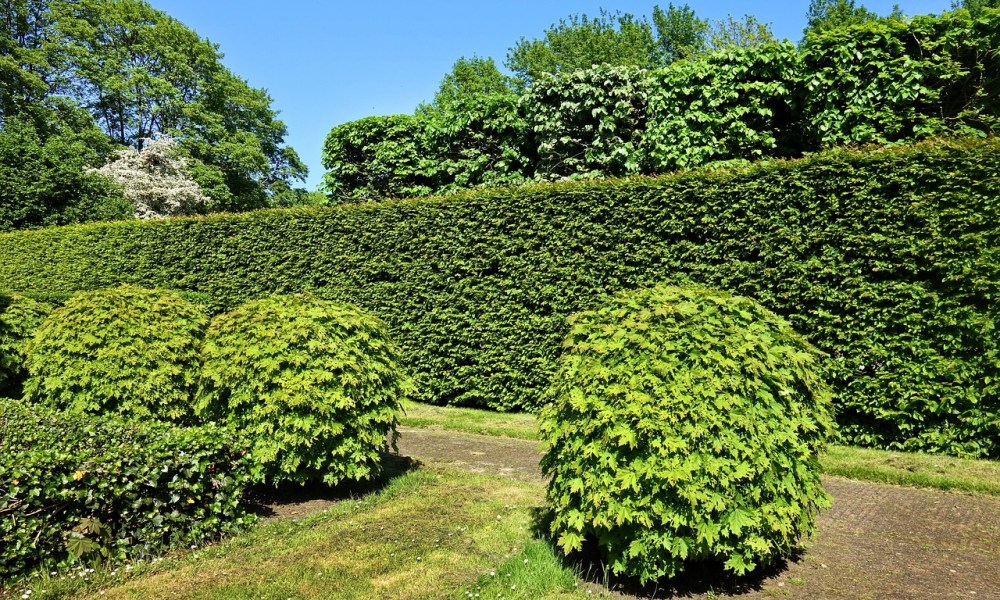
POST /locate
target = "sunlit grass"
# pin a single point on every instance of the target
(469, 420)
(429, 534)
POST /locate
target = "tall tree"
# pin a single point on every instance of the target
(830, 14)
(976, 7)
(623, 40)
(579, 42)
(745, 32)
(469, 78)
(680, 33)
(143, 73)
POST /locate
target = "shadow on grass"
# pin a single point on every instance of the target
(295, 500)
(699, 578)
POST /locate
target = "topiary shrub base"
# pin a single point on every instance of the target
(314, 385)
(684, 424)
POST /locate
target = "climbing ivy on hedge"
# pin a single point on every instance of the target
(684, 424)
(75, 488)
(122, 350)
(887, 260)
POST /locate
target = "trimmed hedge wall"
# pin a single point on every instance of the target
(888, 260)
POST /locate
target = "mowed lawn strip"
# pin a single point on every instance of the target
(431, 533)
(520, 426)
(881, 466)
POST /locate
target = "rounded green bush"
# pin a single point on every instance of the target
(19, 318)
(123, 350)
(314, 386)
(684, 424)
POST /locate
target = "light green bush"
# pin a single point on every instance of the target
(19, 317)
(313, 385)
(124, 350)
(684, 424)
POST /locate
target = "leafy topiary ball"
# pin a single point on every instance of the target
(124, 350)
(19, 318)
(684, 424)
(314, 385)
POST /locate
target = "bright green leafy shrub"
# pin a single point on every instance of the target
(127, 350)
(19, 317)
(314, 385)
(684, 424)
(77, 488)
(735, 104)
(589, 123)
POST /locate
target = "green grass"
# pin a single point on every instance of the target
(470, 420)
(882, 466)
(914, 468)
(430, 533)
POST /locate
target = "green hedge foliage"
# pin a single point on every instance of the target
(73, 488)
(126, 350)
(589, 123)
(887, 81)
(684, 424)
(890, 80)
(313, 385)
(887, 260)
(19, 317)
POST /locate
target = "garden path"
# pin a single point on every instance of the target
(876, 542)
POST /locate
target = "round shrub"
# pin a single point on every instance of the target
(123, 350)
(313, 385)
(684, 424)
(19, 318)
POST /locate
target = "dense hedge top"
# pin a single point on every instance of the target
(887, 81)
(888, 260)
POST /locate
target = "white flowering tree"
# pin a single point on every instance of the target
(156, 180)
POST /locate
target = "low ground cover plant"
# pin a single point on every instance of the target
(74, 488)
(684, 424)
(313, 385)
(121, 350)
(19, 317)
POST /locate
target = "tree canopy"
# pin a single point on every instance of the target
(139, 73)
(624, 40)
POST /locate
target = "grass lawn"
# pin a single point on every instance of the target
(899, 468)
(430, 533)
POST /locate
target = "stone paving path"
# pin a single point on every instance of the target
(877, 542)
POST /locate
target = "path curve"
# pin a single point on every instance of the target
(876, 542)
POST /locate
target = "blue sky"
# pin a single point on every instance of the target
(330, 62)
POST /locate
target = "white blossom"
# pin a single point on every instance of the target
(155, 179)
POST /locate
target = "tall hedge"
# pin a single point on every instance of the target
(879, 82)
(887, 260)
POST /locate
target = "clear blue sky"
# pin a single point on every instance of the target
(330, 62)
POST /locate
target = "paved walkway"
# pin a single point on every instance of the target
(877, 542)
